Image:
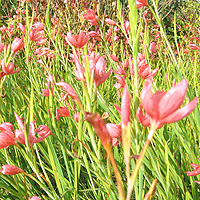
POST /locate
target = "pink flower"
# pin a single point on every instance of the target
(32, 139)
(114, 131)
(39, 26)
(110, 22)
(99, 71)
(17, 44)
(10, 170)
(34, 198)
(163, 107)
(145, 71)
(125, 107)
(62, 112)
(37, 36)
(91, 17)
(152, 47)
(196, 171)
(95, 35)
(43, 130)
(9, 69)
(119, 70)
(77, 41)
(99, 128)
(141, 3)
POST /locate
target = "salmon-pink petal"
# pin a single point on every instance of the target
(69, 90)
(80, 37)
(125, 107)
(6, 139)
(149, 101)
(79, 69)
(173, 99)
(20, 137)
(114, 130)
(100, 79)
(71, 40)
(31, 135)
(143, 119)
(20, 122)
(181, 113)
(100, 66)
(153, 73)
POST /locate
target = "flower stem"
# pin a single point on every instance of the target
(117, 173)
(133, 177)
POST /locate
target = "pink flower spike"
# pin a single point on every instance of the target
(110, 22)
(17, 44)
(99, 128)
(145, 72)
(163, 108)
(196, 171)
(77, 41)
(125, 107)
(10, 170)
(34, 198)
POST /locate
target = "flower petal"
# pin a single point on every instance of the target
(172, 99)
(181, 113)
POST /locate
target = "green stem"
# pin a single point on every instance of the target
(133, 177)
